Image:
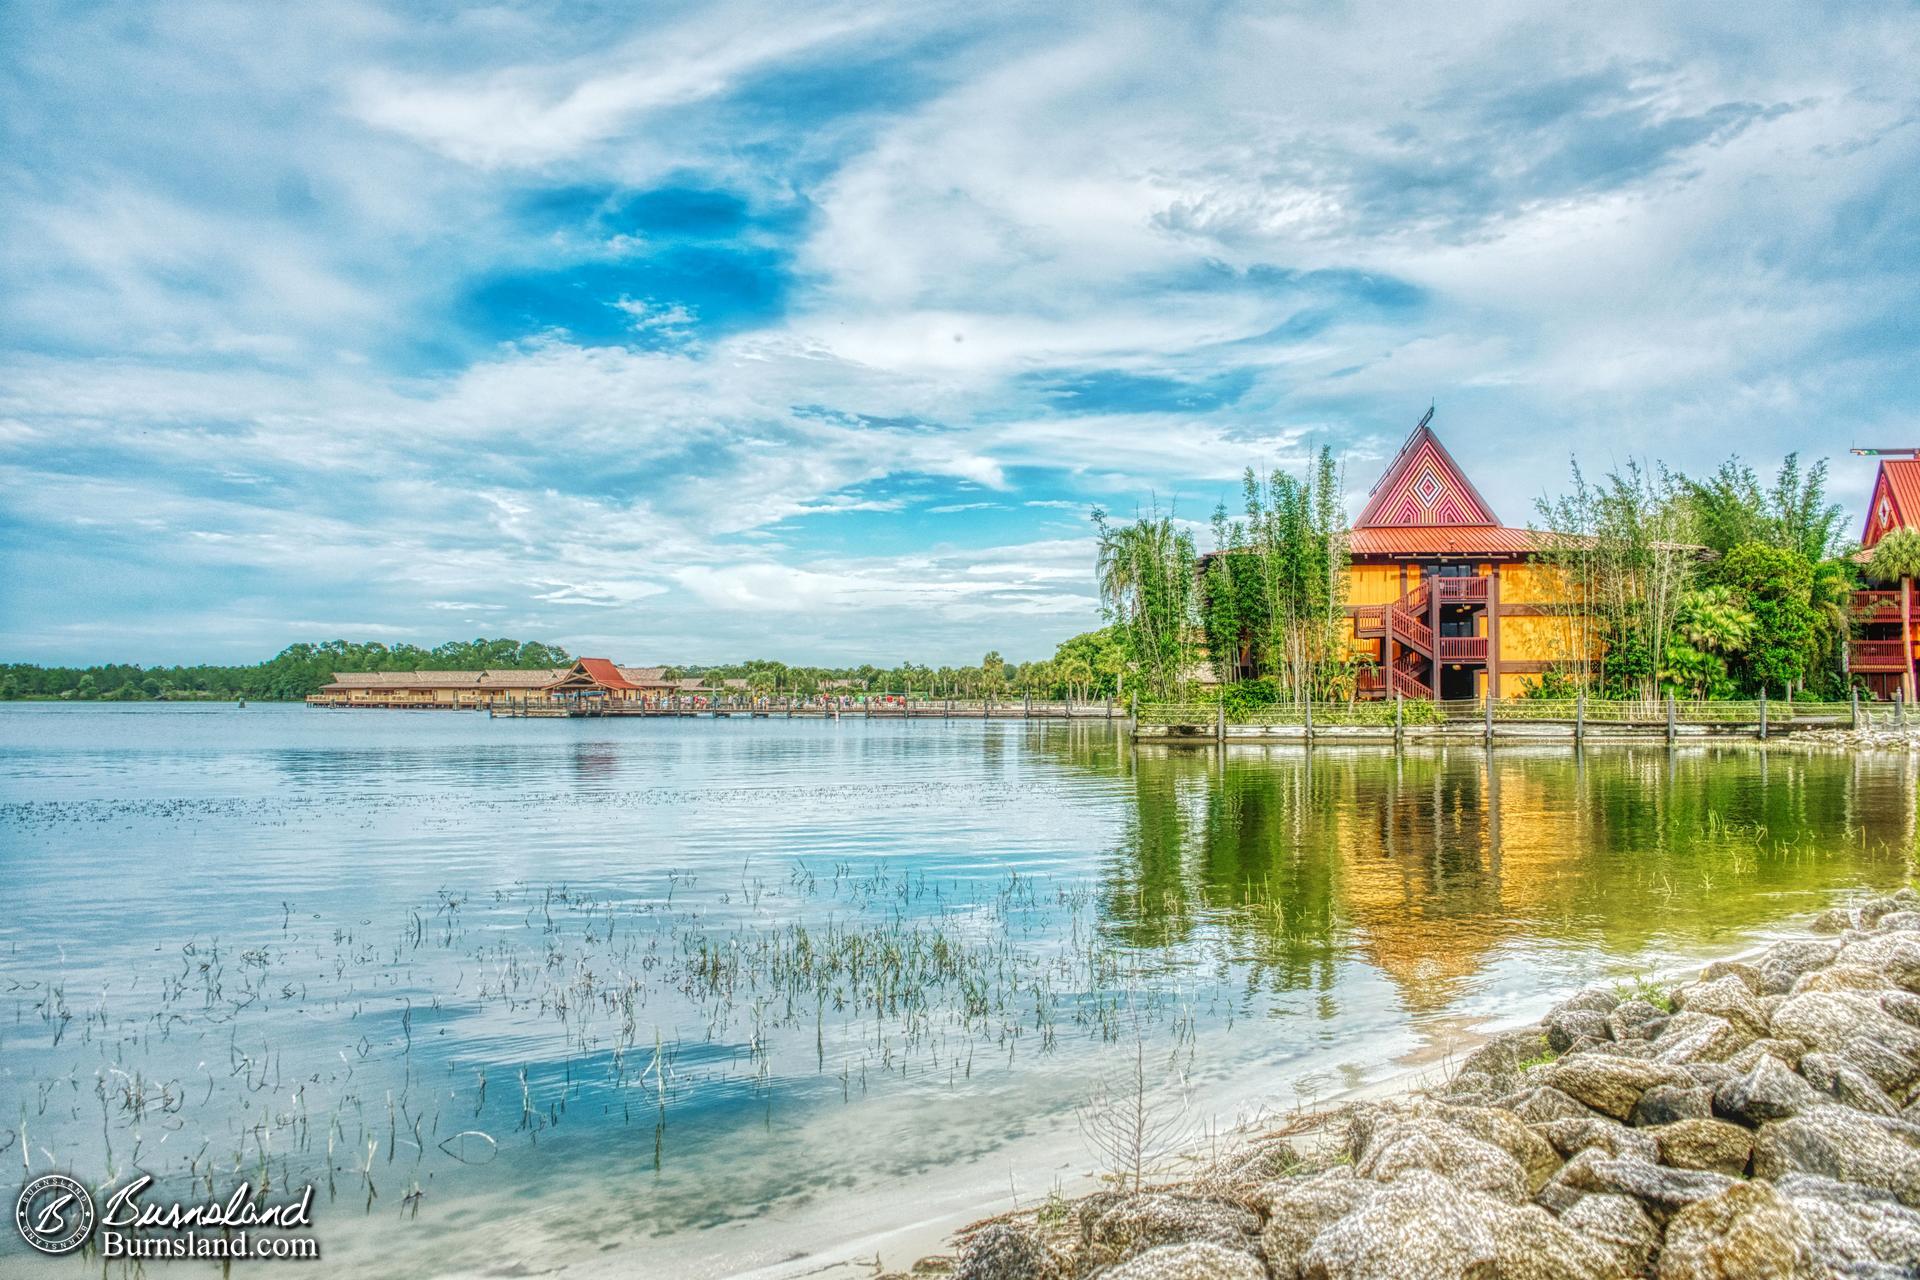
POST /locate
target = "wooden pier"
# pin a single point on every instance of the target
(887, 709)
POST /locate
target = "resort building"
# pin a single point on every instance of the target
(1888, 614)
(1446, 601)
(587, 678)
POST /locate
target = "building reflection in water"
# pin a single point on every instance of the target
(1425, 864)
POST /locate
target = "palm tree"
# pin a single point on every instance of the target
(1896, 556)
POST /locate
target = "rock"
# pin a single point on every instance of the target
(1870, 912)
(1003, 1251)
(1843, 1144)
(1852, 1227)
(1571, 1137)
(1903, 1005)
(1771, 1091)
(1567, 1027)
(1133, 1224)
(1859, 1029)
(1895, 954)
(1601, 1000)
(1611, 1085)
(1713, 1145)
(1498, 1062)
(1422, 1227)
(1737, 968)
(1710, 1074)
(1618, 1225)
(1240, 1171)
(1788, 1051)
(1534, 1154)
(1299, 1209)
(1665, 1103)
(1899, 922)
(1781, 964)
(1660, 1190)
(1727, 998)
(1636, 1019)
(1842, 977)
(1747, 1232)
(1418, 1143)
(1543, 1103)
(1693, 1036)
(1832, 920)
(1846, 1083)
(1198, 1261)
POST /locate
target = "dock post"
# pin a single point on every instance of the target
(1763, 715)
(1489, 710)
(1220, 722)
(1900, 707)
(1026, 706)
(1309, 721)
(1133, 712)
(1853, 706)
(1670, 718)
(1579, 715)
(1399, 712)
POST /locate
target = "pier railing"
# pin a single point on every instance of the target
(1651, 714)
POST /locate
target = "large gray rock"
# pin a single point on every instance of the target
(1771, 1091)
(1636, 1019)
(1843, 1144)
(1740, 969)
(1859, 1029)
(1853, 1228)
(1788, 1051)
(1664, 1104)
(1842, 977)
(1201, 1261)
(1618, 1225)
(1747, 1232)
(1571, 1137)
(1870, 912)
(1496, 1125)
(1781, 964)
(1569, 1026)
(1601, 1000)
(1543, 1103)
(1611, 1085)
(1832, 920)
(1846, 1084)
(1895, 954)
(1422, 1227)
(1727, 998)
(1899, 922)
(1660, 1190)
(1713, 1145)
(1133, 1224)
(1692, 1036)
(1419, 1143)
(1299, 1209)
(1003, 1251)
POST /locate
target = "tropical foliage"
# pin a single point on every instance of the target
(1148, 588)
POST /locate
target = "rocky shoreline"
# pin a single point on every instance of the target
(1760, 1121)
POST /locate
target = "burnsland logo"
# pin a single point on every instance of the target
(55, 1214)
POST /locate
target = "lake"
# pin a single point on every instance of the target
(698, 998)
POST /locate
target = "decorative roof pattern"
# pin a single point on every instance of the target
(1896, 499)
(1447, 540)
(598, 671)
(1423, 486)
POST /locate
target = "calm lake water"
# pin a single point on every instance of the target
(695, 998)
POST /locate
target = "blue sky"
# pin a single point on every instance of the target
(702, 331)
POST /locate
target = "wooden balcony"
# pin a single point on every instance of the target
(1881, 606)
(1463, 649)
(1461, 590)
(1877, 655)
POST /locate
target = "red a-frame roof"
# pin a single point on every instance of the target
(601, 671)
(1896, 500)
(1424, 486)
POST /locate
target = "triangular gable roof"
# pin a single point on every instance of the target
(1424, 486)
(1896, 500)
(598, 671)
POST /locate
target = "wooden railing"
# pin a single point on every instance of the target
(1408, 685)
(1463, 648)
(1462, 588)
(1410, 631)
(1877, 655)
(1879, 606)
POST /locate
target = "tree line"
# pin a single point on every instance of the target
(1086, 667)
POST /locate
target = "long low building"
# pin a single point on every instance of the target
(596, 678)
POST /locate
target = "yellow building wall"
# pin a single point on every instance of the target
(1375, 583)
